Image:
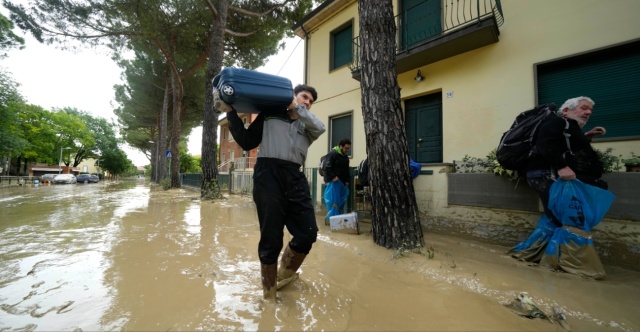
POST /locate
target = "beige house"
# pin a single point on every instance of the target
(466, 69)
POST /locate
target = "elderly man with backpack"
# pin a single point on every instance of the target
(563, 151)
(560, 150)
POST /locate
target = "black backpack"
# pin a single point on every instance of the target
(363, 173)
(322, 166)
(517, 143)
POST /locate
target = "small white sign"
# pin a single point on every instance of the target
(449, 94)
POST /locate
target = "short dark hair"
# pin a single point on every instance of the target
(345, 141)
(303, 87)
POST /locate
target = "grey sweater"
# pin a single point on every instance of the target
(278, 135)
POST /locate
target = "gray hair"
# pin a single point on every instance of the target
(572, 103)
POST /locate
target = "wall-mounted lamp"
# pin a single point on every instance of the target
(419, 76)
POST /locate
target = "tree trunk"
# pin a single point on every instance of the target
(210, 188)
(395, 219)
(176, 87)
(162, 160)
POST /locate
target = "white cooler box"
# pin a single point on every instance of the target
(344, 223)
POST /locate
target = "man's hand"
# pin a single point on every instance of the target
(292, 109)
(596, 131)
(566, 173)
(335, 179)
(219, 104)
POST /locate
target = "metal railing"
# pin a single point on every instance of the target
(18, 180)
(195, 180)
(242, 163)
(429, 20)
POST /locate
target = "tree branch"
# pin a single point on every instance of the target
(238, 34)
(212, 9)
(253, 14)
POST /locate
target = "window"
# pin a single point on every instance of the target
(341, 46)
(224, 132)
(608, 76)
(85, 169)
(340, 127)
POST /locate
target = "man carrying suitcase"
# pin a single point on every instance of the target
(280, 189)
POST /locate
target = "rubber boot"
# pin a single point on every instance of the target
(289, 264)
(269, 275)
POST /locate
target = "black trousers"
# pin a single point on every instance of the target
(283, 199)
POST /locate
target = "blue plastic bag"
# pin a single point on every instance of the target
(415, 168)
(579, 207)
(539, 237)
(574, 253)
(335, 195)
(578, 204)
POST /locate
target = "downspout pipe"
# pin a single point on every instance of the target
(306, 54)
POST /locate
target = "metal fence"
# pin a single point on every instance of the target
(18, 180)
(195, 180)
(241, 181)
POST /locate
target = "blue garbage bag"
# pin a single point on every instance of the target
(335, 196)
(578, 204)
(415, 168)
(579, 207)
(532, 249)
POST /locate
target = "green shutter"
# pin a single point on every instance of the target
(420, 21)
(342, 46)
(610, 77)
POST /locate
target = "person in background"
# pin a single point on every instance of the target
(338, 163)
(280, 189)
(337, 171)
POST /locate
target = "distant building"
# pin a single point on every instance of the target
(230, 151)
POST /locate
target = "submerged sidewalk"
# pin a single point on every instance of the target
(478, 279)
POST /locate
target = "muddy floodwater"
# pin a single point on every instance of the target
(129, 256)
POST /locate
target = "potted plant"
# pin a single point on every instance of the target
(632, 164)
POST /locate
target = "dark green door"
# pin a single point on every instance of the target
(424, 128)
(420, 21)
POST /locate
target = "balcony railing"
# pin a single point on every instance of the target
(240, 164)
(439, 22)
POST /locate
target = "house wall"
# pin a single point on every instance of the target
(483, 90)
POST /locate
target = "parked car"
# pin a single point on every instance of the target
(65, 178)
(47, 178)
(82, 178)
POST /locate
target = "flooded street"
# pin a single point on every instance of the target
(129, 256)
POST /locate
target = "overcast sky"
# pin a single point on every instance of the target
(50, 77)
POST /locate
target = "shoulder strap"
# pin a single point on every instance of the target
(566, 136)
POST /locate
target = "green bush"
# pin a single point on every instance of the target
(165, 183)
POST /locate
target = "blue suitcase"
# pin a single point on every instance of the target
(249, 91)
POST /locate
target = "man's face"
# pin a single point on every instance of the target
(345, 149)
(581, 114)
(304, 98)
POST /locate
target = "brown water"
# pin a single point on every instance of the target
(127, 256)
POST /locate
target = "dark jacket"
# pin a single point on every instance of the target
(337, 165)
(551, 150)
